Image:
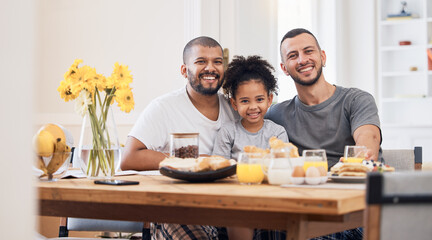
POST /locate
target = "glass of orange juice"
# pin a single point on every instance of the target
(316, 158)
(249, 168)
(354, 154)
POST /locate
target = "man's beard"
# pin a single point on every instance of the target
(198, 87)
(303, 83)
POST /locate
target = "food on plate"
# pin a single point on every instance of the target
(200, 164)
(218, 162)
(186, 164)
(276, 143)
(359, 169)
(350, 169)
(378, 166)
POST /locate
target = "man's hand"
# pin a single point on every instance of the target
(136, 156)
(369, 136)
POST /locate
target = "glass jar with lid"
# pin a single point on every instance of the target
(184, 145)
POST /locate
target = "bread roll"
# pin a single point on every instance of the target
(276, 143)
(186, 164)
(218, 162)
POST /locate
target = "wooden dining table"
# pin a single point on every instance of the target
(302, 212)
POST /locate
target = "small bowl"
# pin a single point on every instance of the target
(313, 180)
(297, 180)
(404, 43)
(323, 179)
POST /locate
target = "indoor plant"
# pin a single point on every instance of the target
(98, 150)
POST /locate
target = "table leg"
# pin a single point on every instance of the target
(297, 228)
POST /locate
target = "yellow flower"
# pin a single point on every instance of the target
(121, 76)
(72, 70)
(109, 82)
(100, 81)
(125, 100)
(83, 79)
(65, 91)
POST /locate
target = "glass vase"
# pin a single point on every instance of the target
(99, 150)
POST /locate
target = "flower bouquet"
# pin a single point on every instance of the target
(98, 150)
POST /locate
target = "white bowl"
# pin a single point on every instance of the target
(297, 180)
(313, 180)
(324, 179)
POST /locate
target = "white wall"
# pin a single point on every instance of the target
(350, 24)
(249, 27)
(148, 36)
(17, 67)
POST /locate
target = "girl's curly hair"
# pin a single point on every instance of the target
(243, 69)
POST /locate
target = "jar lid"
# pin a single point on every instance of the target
(185, 135)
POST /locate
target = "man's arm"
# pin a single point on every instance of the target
(369, 136)
(136, 156)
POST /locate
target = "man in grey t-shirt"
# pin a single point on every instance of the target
(323, 115)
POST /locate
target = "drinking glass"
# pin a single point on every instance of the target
(250, 168)
(279, 169)
(316, 158)
(354, 154)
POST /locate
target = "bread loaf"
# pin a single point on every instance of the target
(218, 162)
(276, 143)
(186, 164)
(195, 164)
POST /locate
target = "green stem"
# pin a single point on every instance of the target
(101, 157)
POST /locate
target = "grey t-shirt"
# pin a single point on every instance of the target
(232, 137)
(329, 125)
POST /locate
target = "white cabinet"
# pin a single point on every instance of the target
(404, 79)
(404, 75)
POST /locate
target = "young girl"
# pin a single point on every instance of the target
(250, 84)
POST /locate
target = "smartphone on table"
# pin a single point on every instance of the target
(116, 182)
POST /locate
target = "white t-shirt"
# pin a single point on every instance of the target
(175, 113)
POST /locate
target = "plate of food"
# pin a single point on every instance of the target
(348, 172)
(203, 169)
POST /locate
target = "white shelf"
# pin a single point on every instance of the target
(405, 125)
(402, 21)
(404, 73)
(406, 99)
(405, 96)
(402, 48)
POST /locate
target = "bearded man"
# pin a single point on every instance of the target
(322, 115)
(197, 107)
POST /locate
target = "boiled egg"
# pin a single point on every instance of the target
(298, 171)
(313, 172)
(313, 176)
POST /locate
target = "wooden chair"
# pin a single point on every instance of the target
(403, 159)
(399, 206)
(99, 225)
